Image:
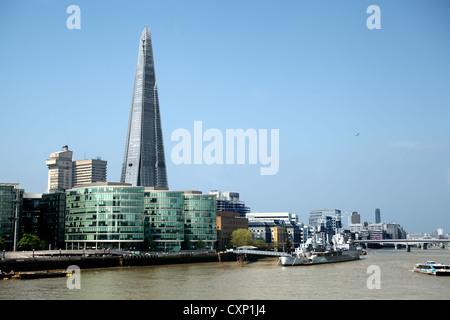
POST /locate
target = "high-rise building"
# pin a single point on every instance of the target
(144, 161)
(377, 216)
(88, 171)
(60, 170)
(328, 220)
(356, 218)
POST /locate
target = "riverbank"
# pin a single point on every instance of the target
(35, 263)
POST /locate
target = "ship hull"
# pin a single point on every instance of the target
(320, 258)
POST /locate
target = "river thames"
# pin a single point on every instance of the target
(261, 280)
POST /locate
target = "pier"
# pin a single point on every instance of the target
(248, 255)
(61, 259)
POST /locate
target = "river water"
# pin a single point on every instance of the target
(261, 280)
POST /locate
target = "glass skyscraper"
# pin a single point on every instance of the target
(144, 161)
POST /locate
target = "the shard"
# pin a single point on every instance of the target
(144, 162)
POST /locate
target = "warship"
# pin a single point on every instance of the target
(316, 250)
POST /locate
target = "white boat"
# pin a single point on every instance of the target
(432, 268)
(314, 252)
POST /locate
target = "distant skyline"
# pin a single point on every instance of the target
(363, 115)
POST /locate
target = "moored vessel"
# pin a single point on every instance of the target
(39, 275)
(314, 251)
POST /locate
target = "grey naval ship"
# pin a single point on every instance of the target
(317, 251)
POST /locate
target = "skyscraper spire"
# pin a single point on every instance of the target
(144, 161)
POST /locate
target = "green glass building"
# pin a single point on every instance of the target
(122, 216)
(200, 219)
(105, 215)
(10, 213)
(163, 220)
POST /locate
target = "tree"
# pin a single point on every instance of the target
(261, 244)
(148, 244)
(241, 237)
(200, 244)
(186, 244)
(2, 244)
(30, 242)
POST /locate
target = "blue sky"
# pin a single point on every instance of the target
(311, 69)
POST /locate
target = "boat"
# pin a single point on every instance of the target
(432, 268)
(314, 252)
(38, 275)
(5, 275)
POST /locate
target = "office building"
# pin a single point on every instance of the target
(52, 219)
(287, 217)
(105, 215)
(121, 216)
(229, 201)
(200, 219)
(60, 170)
(163, 219)
(10, 210)
(355, 218)
(144, 161)
(326, 220)
(88, 171)
(31, 214)
(226, 223)
(394, 231)
(377, 216)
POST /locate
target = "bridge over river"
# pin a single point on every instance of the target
(423, 243)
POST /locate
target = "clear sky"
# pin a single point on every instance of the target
(311, 69)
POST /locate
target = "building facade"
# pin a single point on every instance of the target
(60, 170)
(326, 220)
(355, 218)
(52, 219)
(31, 214)
(144, 160)
(226, 223)
(163, 219)
(377, 215)
(10, 210)
(105, 215)
(229, 201)
(272, 216)
(121, 216)
(88, 171)
(200, 219)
